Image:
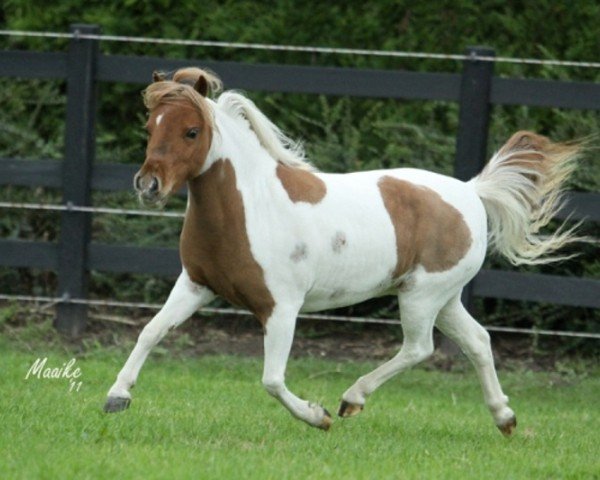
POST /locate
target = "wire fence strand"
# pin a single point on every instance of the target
(298, 48)
(51, 301)
(69, 207)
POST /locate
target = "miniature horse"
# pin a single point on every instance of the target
(264, 230)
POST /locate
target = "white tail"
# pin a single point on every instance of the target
(522, 189)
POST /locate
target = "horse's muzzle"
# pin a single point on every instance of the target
(148, 188)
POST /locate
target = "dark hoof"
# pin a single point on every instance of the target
(327, 421)
(348, 409)
(116, 404)
(508, 428)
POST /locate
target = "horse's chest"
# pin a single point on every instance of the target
(215, 249)
(224, 263)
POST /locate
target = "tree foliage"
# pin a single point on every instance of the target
(340, 134)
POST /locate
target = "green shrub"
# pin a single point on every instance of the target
(340, 134)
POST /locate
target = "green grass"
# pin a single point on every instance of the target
(209, 418)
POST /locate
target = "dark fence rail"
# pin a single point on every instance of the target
(476, 90)
(119, 177)
(320, 80)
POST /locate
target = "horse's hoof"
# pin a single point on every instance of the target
(509, 426)
(348, 409)
(116, 404)
(326, 422)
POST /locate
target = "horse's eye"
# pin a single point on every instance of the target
(192, 133)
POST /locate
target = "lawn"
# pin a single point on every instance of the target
(208, 417)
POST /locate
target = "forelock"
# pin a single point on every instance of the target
(170, 92)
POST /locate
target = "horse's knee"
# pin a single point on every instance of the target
(483, 337)
(421, 350)
(418, 353)
(479, 349)
(274, 386)
(149, 336)
(425, 352)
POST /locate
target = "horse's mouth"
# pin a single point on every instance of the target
(152, 200)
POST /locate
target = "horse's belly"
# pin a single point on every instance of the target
(317, 301)
(361, 270)
(338, 252)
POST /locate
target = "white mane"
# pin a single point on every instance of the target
(282, 148)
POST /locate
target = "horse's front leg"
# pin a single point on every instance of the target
(185, 298)
(279, 334)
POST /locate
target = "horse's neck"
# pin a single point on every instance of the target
(235, 142)
(236, 163)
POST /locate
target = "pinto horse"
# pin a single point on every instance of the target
(266, 231)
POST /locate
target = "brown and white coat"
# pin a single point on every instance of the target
(268, 233)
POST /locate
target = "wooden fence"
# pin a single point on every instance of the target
(83, 66)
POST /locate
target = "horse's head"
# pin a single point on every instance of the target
(180, 128)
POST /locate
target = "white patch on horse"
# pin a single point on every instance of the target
(338, 242)
(337, 293)
(159, 118)
(300, 252)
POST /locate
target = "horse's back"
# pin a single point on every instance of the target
(453, 191)
(364, 196)
(372, 230)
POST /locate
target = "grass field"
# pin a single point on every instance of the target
(209, 418)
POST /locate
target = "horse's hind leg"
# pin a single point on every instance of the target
(185, 298)
(418, 316)
(456, 323)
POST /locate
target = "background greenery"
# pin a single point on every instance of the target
(340, 134)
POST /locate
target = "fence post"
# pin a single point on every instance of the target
(473, 123)
(77, 171)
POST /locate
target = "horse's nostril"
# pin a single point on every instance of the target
(153, 188)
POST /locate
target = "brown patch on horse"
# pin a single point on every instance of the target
(301, 185)
(214, 245)
(429, 231)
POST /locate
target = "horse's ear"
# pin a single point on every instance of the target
(158, 76)
(201, 86)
